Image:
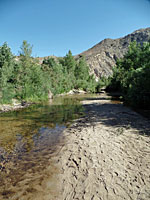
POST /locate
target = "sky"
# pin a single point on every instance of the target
(55, 26)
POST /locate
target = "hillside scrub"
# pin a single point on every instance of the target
(26, 79)
(131, 76)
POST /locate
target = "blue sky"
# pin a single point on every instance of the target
(55, 26)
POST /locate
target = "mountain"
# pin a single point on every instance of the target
(103, 56)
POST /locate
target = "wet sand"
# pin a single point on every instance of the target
(102, 156)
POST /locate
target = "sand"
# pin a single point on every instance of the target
(105, 155)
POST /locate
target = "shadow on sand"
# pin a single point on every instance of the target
(112, 114)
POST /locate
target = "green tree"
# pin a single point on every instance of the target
(25, 49)
(5, 55)
(132, 75)
(6, 74)
(59, 76)
(69, 62)
(31, 81)
(82, 70)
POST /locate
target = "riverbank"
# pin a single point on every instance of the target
(14, 106)
(107, 154)
(104, 155)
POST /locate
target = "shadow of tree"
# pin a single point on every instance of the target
(115, 115)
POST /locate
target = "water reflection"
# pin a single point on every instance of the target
(20, 129)
(28, 140)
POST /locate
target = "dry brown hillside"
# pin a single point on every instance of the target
(102, 57)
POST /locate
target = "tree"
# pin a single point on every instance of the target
(26, 49)
(59, 76)
(31, 81)
(132, 75)
(6, 74)
(82, 70)
(69, 62)
(5, 55)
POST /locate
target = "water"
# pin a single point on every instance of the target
(29, 137)
(36, 127)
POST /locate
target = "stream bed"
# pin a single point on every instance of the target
(29, 139)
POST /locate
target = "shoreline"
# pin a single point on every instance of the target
(20, 105)
(14, 106)
(104, 155)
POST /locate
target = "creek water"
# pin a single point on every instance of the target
(29, 138)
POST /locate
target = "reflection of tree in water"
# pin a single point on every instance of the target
(18, 128)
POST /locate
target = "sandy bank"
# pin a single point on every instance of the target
(105, 155)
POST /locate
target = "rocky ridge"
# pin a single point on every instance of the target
(103, 56)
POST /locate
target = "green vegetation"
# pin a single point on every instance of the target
(23, 79)
(67, 73)
(26, 79)
(6, 73)
(131, 76)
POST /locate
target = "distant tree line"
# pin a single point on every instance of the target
(26, 79)
(131, 76)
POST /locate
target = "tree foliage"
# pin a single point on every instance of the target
(6, 74)
(67, 73)
(31, 82)
(25, 79)
(131, 76)
(25, 49)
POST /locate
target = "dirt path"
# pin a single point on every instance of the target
(104, 156)
(107, 155)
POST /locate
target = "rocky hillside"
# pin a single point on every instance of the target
(102, 57)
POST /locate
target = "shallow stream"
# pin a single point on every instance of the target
(30, 137)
